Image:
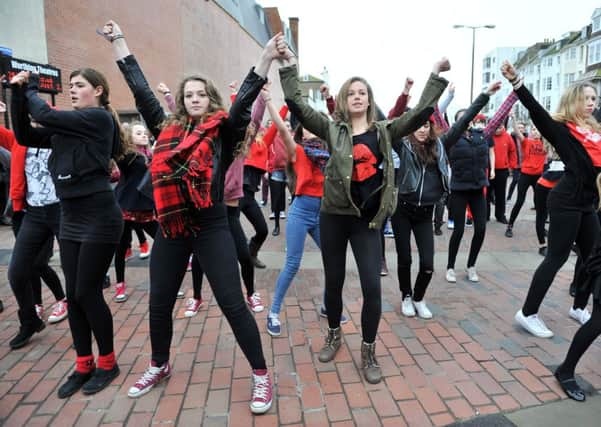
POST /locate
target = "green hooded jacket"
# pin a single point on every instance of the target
(338, 136)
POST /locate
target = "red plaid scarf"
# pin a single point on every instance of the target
(181, 168)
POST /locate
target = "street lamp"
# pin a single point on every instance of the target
(473, 28)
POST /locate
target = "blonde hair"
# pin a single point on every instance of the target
(180, 115)
(567, 111)
(341, 112)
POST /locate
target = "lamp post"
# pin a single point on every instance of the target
(473, 28)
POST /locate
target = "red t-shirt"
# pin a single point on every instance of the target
(309, 178)
(533, 156)
(505, 155)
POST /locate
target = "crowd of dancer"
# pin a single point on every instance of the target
(348, 174)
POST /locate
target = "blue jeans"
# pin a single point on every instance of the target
(303, 219)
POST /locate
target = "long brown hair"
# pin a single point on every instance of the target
(341, 112)
(426, 151)
(567, 111)
(96, 78)
(180, 116)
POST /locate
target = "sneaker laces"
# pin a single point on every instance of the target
(255, 298)
(58, 308)
(149, 376)
(275, 320)
(261, 388)
(190, 305)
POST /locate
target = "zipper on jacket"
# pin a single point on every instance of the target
(421, 187)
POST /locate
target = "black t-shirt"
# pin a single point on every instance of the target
(367, 175)
(429, 190)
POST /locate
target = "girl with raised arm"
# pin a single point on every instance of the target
(575, 134)
(194, 148)
(83, 142)
(358, 193)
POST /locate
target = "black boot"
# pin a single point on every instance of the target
(74, 382)
(253, 248)
(25, 333)
(100, 379)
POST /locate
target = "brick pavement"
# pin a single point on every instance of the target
(469, 360)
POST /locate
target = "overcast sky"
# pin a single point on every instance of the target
(384, 41)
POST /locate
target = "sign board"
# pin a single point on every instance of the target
(50, 77)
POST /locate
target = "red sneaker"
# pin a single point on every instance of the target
(255, 303)
(192, 307)
(144, 250)
(59, 312)
(120, 295)
(152, 376)
(262, 394)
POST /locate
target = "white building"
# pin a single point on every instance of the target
(593, 63)
(491, 65)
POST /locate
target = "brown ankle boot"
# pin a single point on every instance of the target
(331, 346)
(371, 369)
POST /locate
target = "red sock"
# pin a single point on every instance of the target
(107, 362)
(84, 364)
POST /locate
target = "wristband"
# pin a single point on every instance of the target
(117, 37)
(168, 92)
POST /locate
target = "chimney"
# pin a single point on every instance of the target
(293, 23)
(273, 20)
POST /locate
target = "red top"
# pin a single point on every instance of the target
(277, 157)
(257, 155)
(533, 156)
(309, 178)
(505, 154)
(18, 181)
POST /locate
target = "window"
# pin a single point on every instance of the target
(549, 62)
(486, 77)
(596, 23)
(486, 63)
(547, 102)
(594, 52)
(572, 53)
(581, 54)
(558, 59)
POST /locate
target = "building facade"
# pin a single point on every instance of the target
(491, 65)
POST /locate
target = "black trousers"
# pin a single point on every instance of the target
(44, 271)
(439, 212)
(38, 226)
(246, 266)
(565, 228)
(150, 228)
(496, 192)
(406, 219)
(540, 203)
(85, 265)
(214, 248)
(515, 177)
(251, 210)
(583, 339)
(336, 231)
(139, 229)
(525, 181)
(458, 202)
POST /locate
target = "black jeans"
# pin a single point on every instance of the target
(39, 225)
(439, 212)
(44, 271)
(408, 218)
(150, 228)
(458, 202)
(252, 211)
(214, 248)
(85, 265)
(540, 202)
(565, 228)
(515, 177)
(246, 266)
(525, 181)
(139, 229)
(336, 232)
(496, 191)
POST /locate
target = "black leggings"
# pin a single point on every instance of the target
(84, 266)
(458, 201)
(128, 226)
(139, 229)
(252, 211)
(515, 177)
(214, 247)
(336, 231)
(44, 271)
(278, 198)
(565, 228)
(582, 340)
(496, 191)
(525, 181)
(246, 266)
(38, 226)
(408, 218)
(540, 202)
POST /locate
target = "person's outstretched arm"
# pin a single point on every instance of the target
(500, 115)
(402, 100)
(280, 125)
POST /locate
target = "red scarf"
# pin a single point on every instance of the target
(591, 141)
(181, 168)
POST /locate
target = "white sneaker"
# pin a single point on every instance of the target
(533, 324)
(272, 215)
(282, 215)
(580, 314)
(472, 276)
(407, 307)
(451, 277)
(422, 309)
(450, 224)
(181, 294)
